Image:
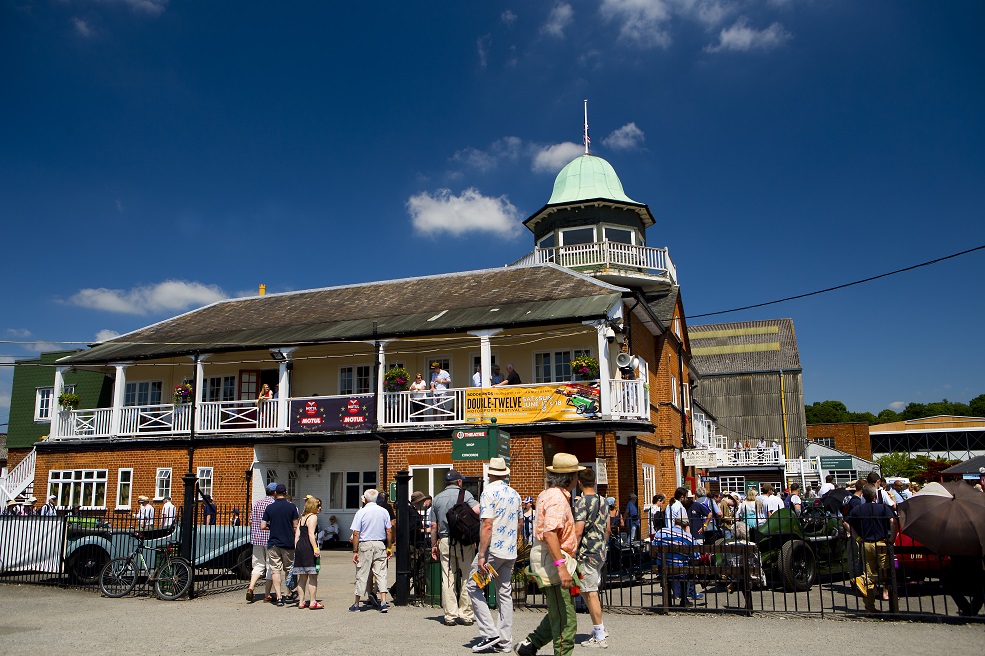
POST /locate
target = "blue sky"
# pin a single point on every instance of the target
(160, 155)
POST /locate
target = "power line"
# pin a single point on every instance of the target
(847, 284)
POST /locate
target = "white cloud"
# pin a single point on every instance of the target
(628, 137)
(508, 148)
(739, 37)
(151, 7)
(641, 22)
(168, 296)
(475, 158)
(709, 13)
(507, 17)
(21, 333)
(551, 159)
(471, 212)
(82, 28)
(106, 334)
(560, 18)
(897, 405)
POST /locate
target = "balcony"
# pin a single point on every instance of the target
(752, 457)
(627, 400)
(616, 260)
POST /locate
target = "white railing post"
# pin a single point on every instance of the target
(119, 395)
(380, 392)
(284, 387)
(55, 412)
(199, 381)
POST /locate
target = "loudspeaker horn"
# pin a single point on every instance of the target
(624, 360)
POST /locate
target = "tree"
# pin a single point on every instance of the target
(898, 464)
(977, 406)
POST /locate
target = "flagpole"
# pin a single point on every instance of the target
(586, 140)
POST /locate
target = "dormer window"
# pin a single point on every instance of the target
(577, 236)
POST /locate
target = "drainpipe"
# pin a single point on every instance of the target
(783, 409)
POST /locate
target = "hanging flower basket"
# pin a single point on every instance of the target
(183, 393)
(396, 380)
(69, 401)
(585, 368)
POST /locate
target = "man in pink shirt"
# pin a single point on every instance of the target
(554, 525)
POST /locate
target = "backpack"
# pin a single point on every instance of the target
(786, 501)
(463, 523)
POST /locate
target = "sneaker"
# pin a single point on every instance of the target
(494, 648)
(525, 648)
(373, 600)
(595, 642)
(450, 622)
(466, 622)
(249, 596)
(355, 608)
(278, 602)
(384, 607)
(697, 595)
(485, 645)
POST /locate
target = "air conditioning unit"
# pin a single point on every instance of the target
(307, 455)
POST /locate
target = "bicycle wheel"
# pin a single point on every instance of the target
(118, 578)
(174, 578)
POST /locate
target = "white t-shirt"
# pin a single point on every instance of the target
(771, 504)
(825, 488)
(675, 510)
(795, 501)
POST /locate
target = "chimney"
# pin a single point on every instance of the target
(263, 289)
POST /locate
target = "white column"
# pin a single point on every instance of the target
(380, 393)
(119, 394)
(198, 385)
(485, 354)
(284, 387)
(605, 370)
(55, 412)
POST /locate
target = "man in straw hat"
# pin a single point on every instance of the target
(440, 382)
(145, 514)
(555, 526)
(499, 510)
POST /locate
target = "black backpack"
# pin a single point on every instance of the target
(463, 523)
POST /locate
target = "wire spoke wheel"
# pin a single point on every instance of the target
(173, 579)
(118, 578)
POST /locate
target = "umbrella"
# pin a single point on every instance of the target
(833, 500)
(949, 518)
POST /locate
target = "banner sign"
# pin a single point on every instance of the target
(700, 458)
(526, 405)
(836, 462)
(344, 413)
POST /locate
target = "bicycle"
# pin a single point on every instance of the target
(171, 574)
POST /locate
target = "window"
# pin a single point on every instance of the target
(124, 488)
(292, 484)
(143, 392)
(619, 235)
(844, 476)
(547, 242)
(220, 388)
(573, 236)
(825, 441)
(45, 399)
(429, 479)
(673, 391)
(687, 398)
(346, 488)
(249, 384)
(733, 484)
(649, 483)
(555, 366)
(162, 483)
(271, 477)
(356, 380)
(78, 487)
(205, 480)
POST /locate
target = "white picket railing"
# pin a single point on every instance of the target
(19, 478)
(94, 422)
(415, 408)
(155, 419)
(768, 457)
(237, 416)
(608, 254)
(629, 399)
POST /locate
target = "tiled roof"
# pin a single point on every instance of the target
(744, 347)
(504, 297)
(663, 304)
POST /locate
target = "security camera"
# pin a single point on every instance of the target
(610, 334)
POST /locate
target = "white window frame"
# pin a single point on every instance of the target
(553, 373)
(223, 390)
(432, 488)
(733, 484)
(205, 480)
(271, 477)
(649, 483)
(132, 393)
(121, 503)
(552, 236)
(356, 378)
(80, 483)
(674, 399)
(445, 362)
(45, 402)
(633, 236)
(162, 483)
(292, 484)
(563, 231)
(338, 498)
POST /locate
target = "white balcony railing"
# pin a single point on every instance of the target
(607, 254)
(766, 457)
(237, 416)
(628, 400)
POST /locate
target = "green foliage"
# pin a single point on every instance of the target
(836, 412)
(898, 464)
(69, 400)
(396, 380)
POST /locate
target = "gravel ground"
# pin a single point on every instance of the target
(39, 619)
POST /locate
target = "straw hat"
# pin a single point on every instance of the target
(564, 463)
(497, 467)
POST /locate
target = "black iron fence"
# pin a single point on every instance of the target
(70, 550)
(782, 566)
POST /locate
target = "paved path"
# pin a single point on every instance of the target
(39, 619)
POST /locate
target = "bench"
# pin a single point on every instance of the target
(742, 572)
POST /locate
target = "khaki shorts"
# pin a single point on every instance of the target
(591, 576)
(261, 562)
(281, 558)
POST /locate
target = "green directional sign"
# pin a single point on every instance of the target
(836, 462)
(480, 444)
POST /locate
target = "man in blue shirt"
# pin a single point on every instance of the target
(281, 519)
(632, 517)
(372, 535)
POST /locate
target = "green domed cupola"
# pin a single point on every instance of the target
(586, 178)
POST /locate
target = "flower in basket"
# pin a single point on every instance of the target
(69, 400)
(585, 367)
(396, 380)
(183, 393)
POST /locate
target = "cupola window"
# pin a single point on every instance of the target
(577, 236)
(618, 235)
(547, 242)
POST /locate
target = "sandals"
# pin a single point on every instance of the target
(303, 604)
(316, 606)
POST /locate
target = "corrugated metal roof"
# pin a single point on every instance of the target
(433, 304)
(742, 347)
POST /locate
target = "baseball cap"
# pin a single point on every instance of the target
(281, 489)
(272, 487)
(453, 475)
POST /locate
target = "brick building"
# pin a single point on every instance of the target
(185, 391)
(850, 437)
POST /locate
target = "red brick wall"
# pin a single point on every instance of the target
(849, 437)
